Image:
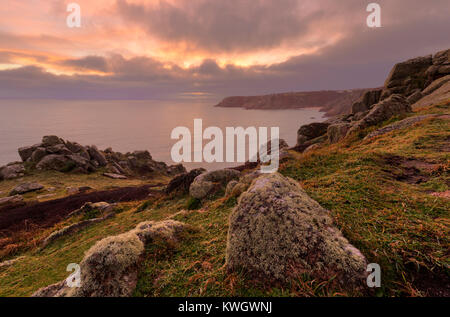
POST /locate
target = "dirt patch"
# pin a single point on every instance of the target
(433, 284)
(410, 170)
(48, 213)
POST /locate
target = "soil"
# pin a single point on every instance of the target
(48, 213)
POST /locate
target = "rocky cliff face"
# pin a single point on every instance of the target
(411, 84)
(330, 101)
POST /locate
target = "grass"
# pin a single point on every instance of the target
(394, 223)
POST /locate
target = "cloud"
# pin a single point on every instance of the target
(96, 63)
(359, 57)
(218, 26)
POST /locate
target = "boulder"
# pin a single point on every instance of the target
(204, 184)
(337, 132)
(78, 149)
(25, 188)
(12, 171)
(442, 58)
(77, 190)
(142, 155)
(26, 151)
(382, 111)
(110, 267)
(311, 131)
(51, 140)
(182, 182)
(38, 154)
(277, 232)
(53, 162)
(97, 156)
(11, 201)
(58, 149)
(407, 76)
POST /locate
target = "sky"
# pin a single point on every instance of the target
(162, 49)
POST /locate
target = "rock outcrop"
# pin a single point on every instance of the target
(206, 183)
(277, 232)
(110, 267)
(412, 84)
(54, 153)
(332, 102)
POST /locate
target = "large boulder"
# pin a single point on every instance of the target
(97, 156)
(406, 77)
(204, 184)
(276, 232)
(182, 182)
(11, 171)
(311, 131)
(25, 188)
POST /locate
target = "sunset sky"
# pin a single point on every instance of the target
(131, 49)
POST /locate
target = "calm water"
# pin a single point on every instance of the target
(131, 125)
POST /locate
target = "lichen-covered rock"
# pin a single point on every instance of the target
(204, 184)
(277, 231)
(311, 131)
(337, 132)
(25, 188)
(110, 267)
(182, 182)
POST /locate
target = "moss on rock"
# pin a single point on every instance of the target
(277, 231)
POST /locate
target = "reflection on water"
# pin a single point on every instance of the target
(131, 125)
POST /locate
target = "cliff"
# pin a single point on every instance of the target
(332, 102)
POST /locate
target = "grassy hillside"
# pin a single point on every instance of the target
(381, 193)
